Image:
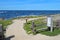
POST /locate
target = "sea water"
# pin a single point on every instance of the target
(7, 14)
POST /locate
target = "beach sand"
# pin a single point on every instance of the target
(15, 31)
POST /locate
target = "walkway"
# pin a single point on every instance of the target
(15, 31)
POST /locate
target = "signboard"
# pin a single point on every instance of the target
(50, 23)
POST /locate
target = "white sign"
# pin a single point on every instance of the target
(49, 21)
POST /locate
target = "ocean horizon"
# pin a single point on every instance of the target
(7, 14)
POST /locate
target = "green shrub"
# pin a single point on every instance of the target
(5, 23)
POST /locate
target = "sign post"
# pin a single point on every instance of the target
(50, 23)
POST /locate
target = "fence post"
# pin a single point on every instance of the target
(1, 32)
(26, 20)
(33, 27)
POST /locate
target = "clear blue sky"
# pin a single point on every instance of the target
(29, 4)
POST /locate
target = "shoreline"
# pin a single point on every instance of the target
(30, 16)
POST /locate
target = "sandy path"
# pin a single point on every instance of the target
(15, 31)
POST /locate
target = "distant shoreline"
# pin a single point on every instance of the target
(29, 16)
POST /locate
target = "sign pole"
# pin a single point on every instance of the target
(51, 24)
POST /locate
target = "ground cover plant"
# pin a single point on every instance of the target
(42, 24)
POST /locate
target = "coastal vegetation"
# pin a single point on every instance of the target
(40, 23)
(5, 23)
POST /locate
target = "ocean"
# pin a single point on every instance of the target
(7, 14)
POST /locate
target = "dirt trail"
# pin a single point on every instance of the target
(15, 31)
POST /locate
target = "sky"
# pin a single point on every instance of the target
(29, 4)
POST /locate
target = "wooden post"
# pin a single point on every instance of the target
(26, 20)
(33, 27)
(1, 28)
(1, 32)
